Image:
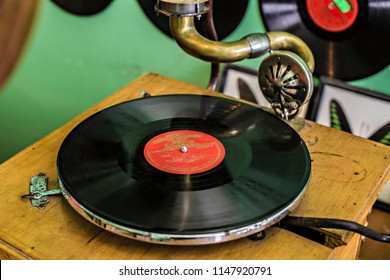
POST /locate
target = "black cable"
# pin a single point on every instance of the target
(383, 206)
(336, 224)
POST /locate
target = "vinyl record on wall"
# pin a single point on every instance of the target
(83, 7)
(348, 38)
(227, 16)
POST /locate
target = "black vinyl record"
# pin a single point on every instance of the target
(83, 7)
(227, 16)
(250, 174)
(348, 38)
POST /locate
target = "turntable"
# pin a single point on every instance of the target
(344, 184)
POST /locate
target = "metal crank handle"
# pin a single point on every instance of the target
(38, 195)
(38, 191)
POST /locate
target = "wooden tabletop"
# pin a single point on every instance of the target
(348, 173)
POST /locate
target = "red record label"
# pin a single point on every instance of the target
(333, 15)
(184, 152)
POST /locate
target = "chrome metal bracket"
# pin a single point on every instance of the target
(39, 191)
(182, 8)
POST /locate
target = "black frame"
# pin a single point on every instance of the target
(375, 128)
(370, 110)
(251, 83)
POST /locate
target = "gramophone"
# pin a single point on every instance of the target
(284, 75)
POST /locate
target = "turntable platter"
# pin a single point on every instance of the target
(183, 169)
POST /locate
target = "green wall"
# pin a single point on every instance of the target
(72, 62)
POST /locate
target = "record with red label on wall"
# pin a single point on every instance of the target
(349, 38)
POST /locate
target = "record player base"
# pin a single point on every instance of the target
(348, 174)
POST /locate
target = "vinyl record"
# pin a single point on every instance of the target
(348, 38)
(183, 169)
(227, 16)
(83, 7)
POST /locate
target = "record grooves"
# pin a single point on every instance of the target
(251, 169)
(348, 38)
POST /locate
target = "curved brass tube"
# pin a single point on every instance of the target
(285, 41)
(254, 45)
(186, 35)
